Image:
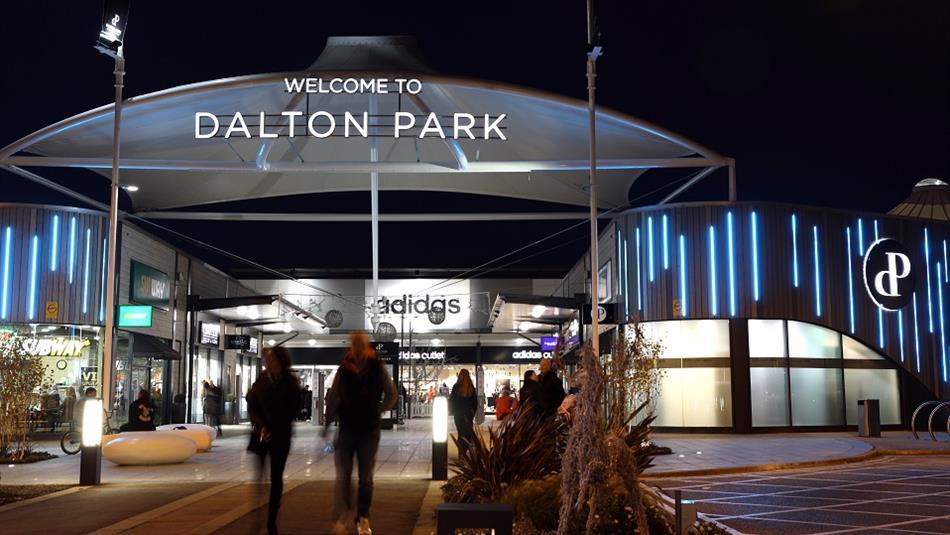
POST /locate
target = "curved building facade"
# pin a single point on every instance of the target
(768, 319)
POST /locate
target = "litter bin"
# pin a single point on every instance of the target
(869, 418)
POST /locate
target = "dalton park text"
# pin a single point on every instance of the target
(324, 124)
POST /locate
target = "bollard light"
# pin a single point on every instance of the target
(440, 437)
(92, 422)
(440, 419)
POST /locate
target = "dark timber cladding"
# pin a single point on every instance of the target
(823, 296)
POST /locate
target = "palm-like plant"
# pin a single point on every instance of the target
(528, 447)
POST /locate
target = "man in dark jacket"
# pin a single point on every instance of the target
(551, 392)
(362, 390)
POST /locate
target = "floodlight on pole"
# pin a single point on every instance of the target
(594, 50)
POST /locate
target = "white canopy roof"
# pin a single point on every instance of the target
(545, 157)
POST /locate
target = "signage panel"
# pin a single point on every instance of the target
(240, 342)
(889, 275)
(149, 286)
(606, 314)
(386, 351)
(135, 316)
(548, 343)
(210, 334)
(410, 301)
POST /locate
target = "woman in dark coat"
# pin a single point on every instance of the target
(529, 390)
(463, 402)
(272, 405)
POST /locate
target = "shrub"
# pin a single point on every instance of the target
(21, 375)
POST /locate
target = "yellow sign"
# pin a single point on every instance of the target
(52, 310)
(677, 310)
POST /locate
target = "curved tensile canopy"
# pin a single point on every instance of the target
(545, 157)
(929, 200)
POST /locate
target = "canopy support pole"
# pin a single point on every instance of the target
(374, 201)
(593, 53)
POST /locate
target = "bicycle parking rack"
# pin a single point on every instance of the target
(930, 419)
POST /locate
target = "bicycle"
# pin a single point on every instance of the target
(71, 441)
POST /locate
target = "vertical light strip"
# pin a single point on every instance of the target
(34, 267)
(945, 277)
(814, 234)
(732, 265)
(755, 256)
(850, 281)
(900, 331)
(666, 242)
(102, 287)
(683, 309)
(72, 248)
(85, 273)
(795, 250)
(860, 237)
(880, 311)
(930, 308)
(626, 282)
(54, 246)
(639, 285)
(713, 277)
(650, 244)
(7, 245)
(916, 334)
(943, 340)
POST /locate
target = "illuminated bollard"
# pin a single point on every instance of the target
(440, 438)
(90, 462)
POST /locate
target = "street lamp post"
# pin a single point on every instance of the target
(594, 51)
(110, 42)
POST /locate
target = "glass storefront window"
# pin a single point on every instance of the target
(872, 384)
(816, 396)
(769, 397)
(695, 397)
(690, 338)
(811, 341)
(852, 349)
(766, 339)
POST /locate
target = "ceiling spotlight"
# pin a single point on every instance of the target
(252, 313)
(286, 327)
(312, 342)
(537, 311)
(272, 342)
(521, 341)
(131, 188)
(525, 326)
(436, 341)
(242, 310)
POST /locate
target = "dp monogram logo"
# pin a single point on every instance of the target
(889, 276)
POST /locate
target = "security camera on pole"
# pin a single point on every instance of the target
(115, 14)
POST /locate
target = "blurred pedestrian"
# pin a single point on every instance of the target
(141, 414)
(551, 391)
(272, 406)
(211, 404)
(529, 390)
(504, 404)
(362, 390)
(464, 403)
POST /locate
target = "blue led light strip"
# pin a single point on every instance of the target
(639, 284)
(916, 333)
(943, 341)
(880, 311)
(860, 237)
(650, 245)
(945, 277)
(102, 288)
(72, 248)
(732, 265)
(7, 245)
(814, 233)
(713, 278)
(626, 282)
(930, 309)
(85, 273)
(666, 246)
(900, 331)
(755, 256)
(850, 281)
(795, 250)
(54, 246)
(34, 267)
(683, 308)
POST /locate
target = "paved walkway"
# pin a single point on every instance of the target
(888, 495)
(216, 492)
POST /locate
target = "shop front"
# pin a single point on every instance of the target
(207, 364)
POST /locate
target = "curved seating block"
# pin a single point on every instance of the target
(201, 438)
(212, 432)
(148, 448)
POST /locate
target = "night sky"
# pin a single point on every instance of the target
(840, 103)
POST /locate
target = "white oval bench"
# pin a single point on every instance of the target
(203, 435)
(147, 448)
